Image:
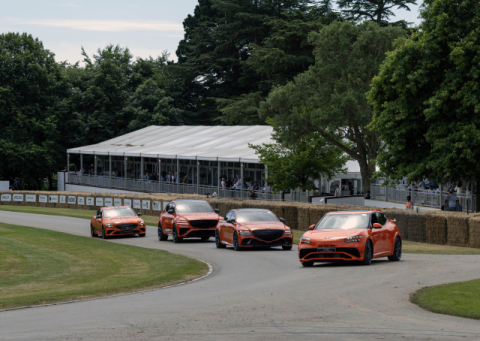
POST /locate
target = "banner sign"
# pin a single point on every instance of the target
(18, 197)
(98, 201)
(145, 204)
(6, 197)
(72, 200)
(53, 199)
(42, 198)
(108, 202)
(30, 198)
(127, 202)
(136, 203)
(63, 199)
(117, 202)
(81, 200)
(157, 206)
(90, 201)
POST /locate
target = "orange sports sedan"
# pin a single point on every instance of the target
(253, 227)
(351, 236)
(187, 219)
(117, 221)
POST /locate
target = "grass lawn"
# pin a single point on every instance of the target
(39, 266)
(458, 299)
(408, 246)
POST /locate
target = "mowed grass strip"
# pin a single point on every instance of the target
(458, 299)
(39, 266)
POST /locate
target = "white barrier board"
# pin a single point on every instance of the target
(127, 202)
(42, 198)
(81, 200)
(136, 203)
(18, 197)
(72, 199)
(30, 198)
(53, 199)
(6, 197)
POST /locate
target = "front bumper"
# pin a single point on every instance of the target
(190, 232)
(251, 241)
(112, 231)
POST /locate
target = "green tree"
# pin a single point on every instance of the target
(329, 99)
(298, 164)
(378, 11)
(29, 98)
(149, 105)
(427, 97)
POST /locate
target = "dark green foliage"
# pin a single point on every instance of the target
(378, 11)
(427, 97)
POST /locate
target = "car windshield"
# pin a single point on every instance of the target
(254, 215)
(194, 207)
(118, 213)
(343, 222)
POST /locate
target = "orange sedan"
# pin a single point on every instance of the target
(187, 219)
(351, 236)
(117, 221)
(252, 227)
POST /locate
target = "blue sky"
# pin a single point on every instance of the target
(146, 27)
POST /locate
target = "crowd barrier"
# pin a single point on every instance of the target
(435, 227)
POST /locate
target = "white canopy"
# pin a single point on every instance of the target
(222, 143)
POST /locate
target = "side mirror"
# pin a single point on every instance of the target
(311, 227)
(217, 211)
(231, 221)
(282, 220)
(377, 226)
(393, 220)
(139, 214)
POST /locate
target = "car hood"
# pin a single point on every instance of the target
(199, 216)
(262, 225)
(334, 234)
(124, 220)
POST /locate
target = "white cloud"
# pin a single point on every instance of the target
(101, 25)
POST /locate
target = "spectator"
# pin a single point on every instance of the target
(437, 189)
(427, 183)
(267, 188)
(421, 185)
(445, 207)
(146, 177)
(458, 207)
(459, 189)
(223, 184)
(253, 195)
(452, 198)
(367, 193)
(409, 203)
(431, 190)
(229, 183)
(163, 178)
(255, 186)
(213, 194)
(337, 191)
(452, 187)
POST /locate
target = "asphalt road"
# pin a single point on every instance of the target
(254, 295)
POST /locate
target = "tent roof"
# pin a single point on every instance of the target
(223, 143)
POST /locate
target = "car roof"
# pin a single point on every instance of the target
(189, 200)
(358, 211)
(251, 209)
(110, 207)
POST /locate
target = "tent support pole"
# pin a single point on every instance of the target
(218, 180)
(177, 175)
(109, 170)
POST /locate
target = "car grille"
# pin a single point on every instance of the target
(256, 242)
(327, 256)
(183, 230)
(126, 227)
(200, 233)
(268, 235)
(203, 224)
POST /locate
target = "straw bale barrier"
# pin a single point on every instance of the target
(436, 227)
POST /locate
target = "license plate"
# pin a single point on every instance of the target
(326, 250)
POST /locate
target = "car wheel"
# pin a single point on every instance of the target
(287, 248)
(307, 264)
(205, 238)
(175, 237)
(397, 251)
(104, 235)
(161, 236)
(368, 253)
(92, 231)
(236, 246)
(218, 243)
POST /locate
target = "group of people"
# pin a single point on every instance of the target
(451, 203)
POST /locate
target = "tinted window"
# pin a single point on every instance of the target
(382, 219)
(99, 213)
(255, 215)
(343, 222)
(194, 207)
(119, 212)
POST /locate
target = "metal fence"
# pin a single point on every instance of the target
(420, 197)
(181, 188)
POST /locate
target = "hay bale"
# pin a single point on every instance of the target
(401, 217)
(303, 217)
(436, 229)
(474, 232)
(416, 228)
(318, 211)
(457, 230)
(290, 214)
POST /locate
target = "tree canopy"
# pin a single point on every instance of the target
(427, 96)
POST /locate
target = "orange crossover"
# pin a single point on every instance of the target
(117, 221)
(252, 227)
(187, 219)
(351, 236)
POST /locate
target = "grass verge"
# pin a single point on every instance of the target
(408, 246)
(458, 299)
(39, 266)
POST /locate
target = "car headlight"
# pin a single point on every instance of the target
(142, 223)
(288, 231)
(352, 239)
(109, 225)
(244, 232)
(182, 223)
(305, 240)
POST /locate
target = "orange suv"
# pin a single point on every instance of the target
(253, 227)
(117, 221)
(187, 219)
(351, 236)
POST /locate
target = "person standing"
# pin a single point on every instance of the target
(409, 203)
(337, 191)
(452, 199)
(458, 207)
(445, 207)
(223, 184)
(367, 193)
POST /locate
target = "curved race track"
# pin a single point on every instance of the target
(254, 295)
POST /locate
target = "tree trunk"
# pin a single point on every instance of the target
(49, 177)
(366, 170)
(474, 194)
